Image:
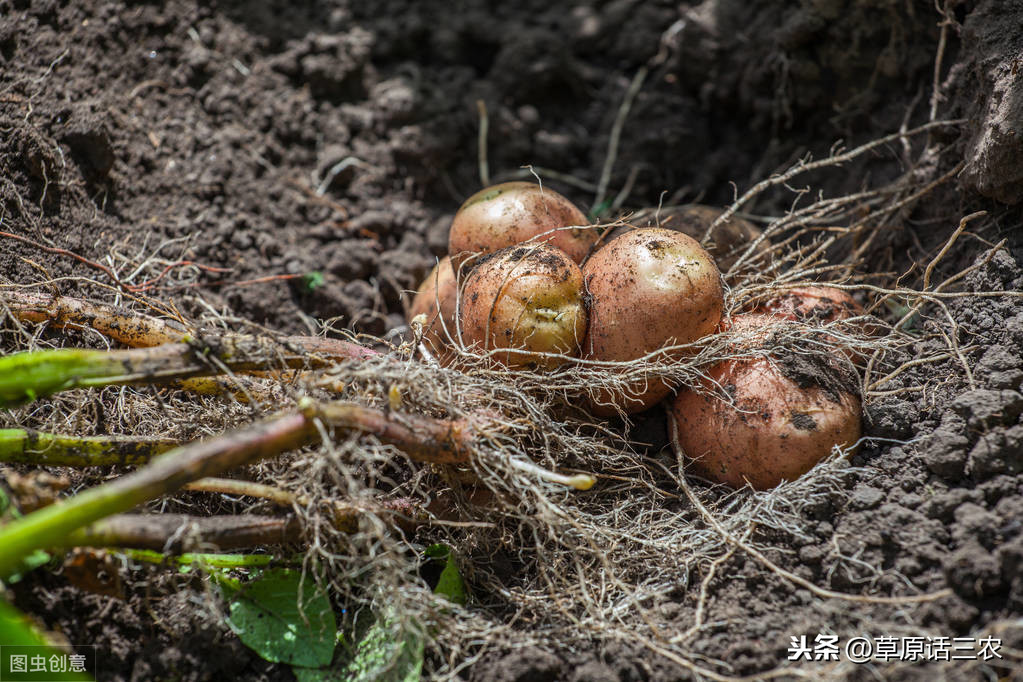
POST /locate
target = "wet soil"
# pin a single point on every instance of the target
(294, 164)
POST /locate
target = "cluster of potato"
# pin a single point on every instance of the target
(528, 282)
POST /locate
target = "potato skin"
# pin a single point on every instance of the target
(648, 289)
(510, 213)
(789, 410)
(527, 297)
(439, 287)
(727, 242)
(775, 431)
(816, 303)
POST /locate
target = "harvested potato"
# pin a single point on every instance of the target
(514, 212)
(437, 299)
(814, 303)
(527, 299)
(782, 416)
(728, 241)
(648, 289)
(817, 305)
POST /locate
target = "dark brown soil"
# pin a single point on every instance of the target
(263, 142)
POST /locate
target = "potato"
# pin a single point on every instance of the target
(786, 414)
(437, 299)
(728, 241)
(514, 212)
(648, 289)
(814, 303)
(818, 305)
(528, 298)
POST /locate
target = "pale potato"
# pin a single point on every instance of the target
(437, 299)
(527, 299)
(514, 212)
(648, 289)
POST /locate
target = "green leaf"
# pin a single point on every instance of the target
(266, 615)
(312, 280)
(386, 653)
(319, 674)
(15, 629)
(450, 583)
(387, 650)
(390, 653)
(28, 564)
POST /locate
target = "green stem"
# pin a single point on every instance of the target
(211, 560)
(27, 446)
(52, 526)
(26, 376)
(34, 374)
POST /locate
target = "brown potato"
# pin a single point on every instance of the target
(774, 431)
(786, 413)
(648, 289)
(818, 305)
(815, 303)
(753, 329)
(728, 241)
(528, 299)
(514, 212)
(437, 299)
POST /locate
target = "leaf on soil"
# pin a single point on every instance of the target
(387, 650)
(450, 582)
(284, 618)
(385, 653)
(312, 280)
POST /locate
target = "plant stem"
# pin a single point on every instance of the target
(120, 324)
(26, 446)
(422, 438)
(233, 486)
(167, 532)
(212, 560)
(33, 374)
(406, 513)
(52, 526)
(142, 331)
(440, 441)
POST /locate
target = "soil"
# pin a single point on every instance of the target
(289, 165)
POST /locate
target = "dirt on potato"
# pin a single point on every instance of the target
(276, 166)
